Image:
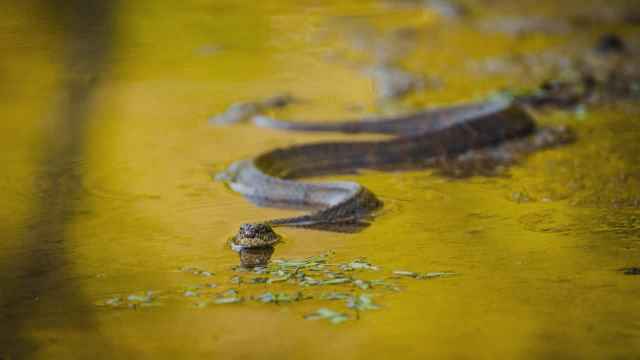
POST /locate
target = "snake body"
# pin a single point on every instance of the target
(494, 128)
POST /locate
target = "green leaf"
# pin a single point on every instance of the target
(335, 296)
(358, 264)
(404, 273)
(309, 281)
(279, 297)
(324, 313)
(195, 271)
(433, 275)
(114, 301)
(147, 297)
(362, 302)
(259, 280)
(230, 293)
(278, 279)
(336, 281)
(260, 270)
(227, 300)
(364, 285)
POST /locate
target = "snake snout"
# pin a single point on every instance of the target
(255, 235)
(255, 230)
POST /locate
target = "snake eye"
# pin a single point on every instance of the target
(246, 230)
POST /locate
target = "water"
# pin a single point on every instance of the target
(107, 188)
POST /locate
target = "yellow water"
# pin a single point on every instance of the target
(107, 189)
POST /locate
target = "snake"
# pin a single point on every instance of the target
(497, 131)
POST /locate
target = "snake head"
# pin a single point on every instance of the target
(254, 235)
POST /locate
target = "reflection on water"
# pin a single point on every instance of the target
(107, 184)
(254, 257)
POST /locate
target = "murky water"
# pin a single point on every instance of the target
(107, 186)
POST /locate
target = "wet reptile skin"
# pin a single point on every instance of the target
(499, 131)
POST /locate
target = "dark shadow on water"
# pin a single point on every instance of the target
(42, 271)
(255, 257)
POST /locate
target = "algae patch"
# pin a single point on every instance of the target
(352, 284)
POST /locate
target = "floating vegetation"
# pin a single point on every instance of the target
(195, 271)
(146, 298)
(198, 290)
(219, 301)
(335, 296)
(230, 296)
(228, 300)
(422, 276)
(259, 280)
(190, 293)
(358, 264)
(114, 301)
(336, 281)
(433, 275)
(362, 284)
(288, 281)
(405, 273)
(361, 302)
(132, 301)
(278, 298)
(327, 314)
(230, 292)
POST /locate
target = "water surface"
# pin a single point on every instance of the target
(107, 186)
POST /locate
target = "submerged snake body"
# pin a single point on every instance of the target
(421, 140)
